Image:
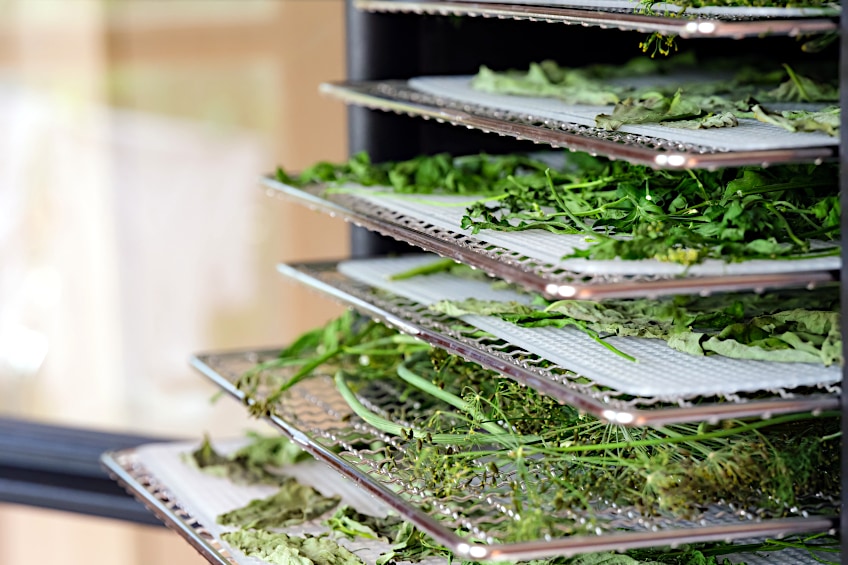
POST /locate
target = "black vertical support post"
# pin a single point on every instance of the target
(843, 197)
(379, 46)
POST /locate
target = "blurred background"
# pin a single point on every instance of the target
(132, 228)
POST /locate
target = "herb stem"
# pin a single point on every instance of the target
(439, 266)
(445, 396)
(698, 437)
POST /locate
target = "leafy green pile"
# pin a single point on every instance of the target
(696, 105)
(467, 434)
(293, 504)
(350, 523)
(283, 549)
(789, 326)
(258, 462)
(623, 210)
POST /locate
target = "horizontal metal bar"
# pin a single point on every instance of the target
(363, 94)
(691, 26)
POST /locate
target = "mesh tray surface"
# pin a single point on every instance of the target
(659, 371)
(508, 359)
(654, 151)
(446, 212)
(749, 135)
(660, 8)
(187, 501)
(523, 258)
(193, 500)
(472, 521)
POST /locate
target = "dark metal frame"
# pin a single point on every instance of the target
(380, 47)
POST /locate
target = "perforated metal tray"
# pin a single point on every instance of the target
(188, 500)
(550, 378)
(399, 97)
(584, 13)
(165, 501)
(314, 414)
(551, 278)
(125, 468)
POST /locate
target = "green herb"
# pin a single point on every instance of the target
(538, 81)
(283, 549)
(293, 504)
(730, 99)
(482, 435)
(826, 120)
(657, 43)
(652, 107)
(633, 212)
(476, 174)
(792, 326)
(818, 546)
(798, 88)
(442, 266)
(720, 120)
(411, 545)
(256, 463)
(352, 524)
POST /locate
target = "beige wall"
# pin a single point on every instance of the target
(132, 230)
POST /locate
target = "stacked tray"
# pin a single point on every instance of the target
(629, 15)
(533, 258)
(449, 100)
(664, 387)
(472, 521)
(188, 501)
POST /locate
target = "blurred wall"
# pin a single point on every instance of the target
(132, 229)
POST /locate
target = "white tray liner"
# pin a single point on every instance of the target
(659, 371)
(660, 8)
(551, 247)
(205, 496)
(749, 135)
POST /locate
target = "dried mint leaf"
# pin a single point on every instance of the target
(652, 107)
(827, 120)
(283, 549)
(255, 463)
(293, 504)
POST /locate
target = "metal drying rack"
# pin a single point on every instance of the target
(549, 378)
(532, 274)
(397, 96)
(125, 468)
(627, 20)
(471, 523)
